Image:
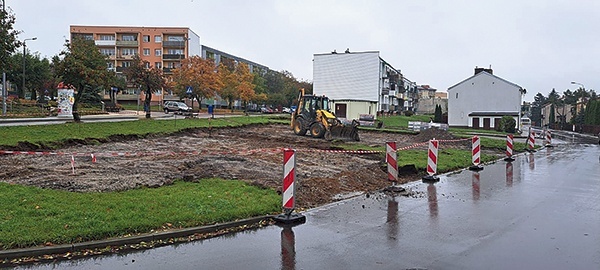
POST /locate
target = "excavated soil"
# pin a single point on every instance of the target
(252, 154)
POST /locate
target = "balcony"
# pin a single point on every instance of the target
(126, 56)
(133, 43)
(105, 42)
(121, 69)
(173, 56)
(174, 44)
(168, 70)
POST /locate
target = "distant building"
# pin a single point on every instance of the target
(163, 47)
(361, 83)
(481, 100)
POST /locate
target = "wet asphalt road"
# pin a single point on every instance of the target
(541, 211)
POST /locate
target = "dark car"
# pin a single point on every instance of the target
(177, 107)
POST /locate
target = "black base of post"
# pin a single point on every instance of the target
(509, 159)
(293, 218)
(430, 178)
(531, 150)
(476, 168)
(549, 145)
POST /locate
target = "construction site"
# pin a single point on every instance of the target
(324, 172)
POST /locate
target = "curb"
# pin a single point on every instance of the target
(61, 249)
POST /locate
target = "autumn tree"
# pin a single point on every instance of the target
(245, 86)
(198, 73)
(148, 79)
(237, 83)
(84, 67)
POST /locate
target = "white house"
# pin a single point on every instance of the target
(359, 83)
(481, 100)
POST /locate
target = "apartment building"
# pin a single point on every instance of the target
(162, 47)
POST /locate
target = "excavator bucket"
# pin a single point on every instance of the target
(344, 132)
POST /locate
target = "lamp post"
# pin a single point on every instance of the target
(580, 84)
(24, 52)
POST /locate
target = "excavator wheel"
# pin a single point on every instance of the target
(299, 127)
(317, 130)
(328, 135)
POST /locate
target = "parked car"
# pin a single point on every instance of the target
(177, 107)
(286, 110)
(266, 110)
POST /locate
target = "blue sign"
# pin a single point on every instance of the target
(188, 90)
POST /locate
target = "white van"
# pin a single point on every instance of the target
(525, 124)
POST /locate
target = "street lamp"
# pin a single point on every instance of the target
(24, 52)
(580, 84)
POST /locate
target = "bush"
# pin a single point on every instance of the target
(408, 113)
(507, 124)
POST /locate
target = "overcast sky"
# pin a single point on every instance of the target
(537, 44)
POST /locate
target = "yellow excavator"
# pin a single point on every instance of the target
(313, 115)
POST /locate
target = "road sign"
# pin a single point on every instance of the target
(188, 90)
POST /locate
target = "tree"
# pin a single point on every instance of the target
(198, 73)
(149, 79)
(8, 38)
(37, 72)
(83, 67)
(438, 114)
(536, 107)
(237, 83)
(507, 124)
(552, 116)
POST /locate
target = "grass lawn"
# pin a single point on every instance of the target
(49, 134)
(33, 216)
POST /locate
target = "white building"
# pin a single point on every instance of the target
(481, 100)
(359, 83)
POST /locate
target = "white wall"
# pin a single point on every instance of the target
(346, 76)
(194, 47)
(481, 93)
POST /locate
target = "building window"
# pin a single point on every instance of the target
(107, 37)
(107, 51)
(158, 52)
(126, 64)
(110, 65)
(147, 64)
(146, 51)
(158, 65)
(128, 38)
(127, 51)
(157, 39)
(175, 51)
(146, 38)
(175, 38)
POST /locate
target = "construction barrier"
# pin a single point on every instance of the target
(476, 154)
(289, 176)
(548, 138)
(531, 140)
(432, 159)
(509, 147)
(391, 160)
(289, 190)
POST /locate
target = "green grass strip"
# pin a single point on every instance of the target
(31, 216)
(48, 134)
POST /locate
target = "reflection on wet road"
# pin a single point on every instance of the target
(542, 211)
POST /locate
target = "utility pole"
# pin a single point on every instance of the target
(3, 72)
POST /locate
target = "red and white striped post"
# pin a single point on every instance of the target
(289, 190)
(509, 147)
(531, 141)
(476, 154)
(548, 139)
(432, 159)
(391, 160)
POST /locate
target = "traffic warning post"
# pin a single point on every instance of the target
(476, 154)
(509, 148)
(391, 160)
(432, 159)
(531, 141)
(289, 190)
(548, 137)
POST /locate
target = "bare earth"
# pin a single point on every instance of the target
(252, 154)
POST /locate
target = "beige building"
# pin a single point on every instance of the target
(162, 47)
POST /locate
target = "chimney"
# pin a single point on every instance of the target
(488, 70)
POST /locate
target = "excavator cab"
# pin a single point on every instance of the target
(314, 115)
